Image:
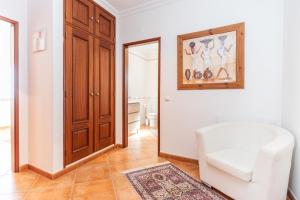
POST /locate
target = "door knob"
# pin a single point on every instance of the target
(92, 18)
(91, 93)
(98, 21)
(97, 94)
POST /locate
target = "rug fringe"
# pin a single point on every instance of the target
(145, 167)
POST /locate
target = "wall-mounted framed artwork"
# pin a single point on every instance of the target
(212, 59)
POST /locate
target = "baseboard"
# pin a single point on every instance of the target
(40, 171)
(119, 146)
(68, 168)
(179, 158)
(88, 159)
(291, 195)
(23, 167)
(82, 162)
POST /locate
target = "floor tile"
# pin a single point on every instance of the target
(102, 190)
(15, 183)
(99, 179)
(124, 189)
(50, 193)
(12, 196)
(127, 194)
(122, 156)
(64, 181)
(92, 172)
(102, 158)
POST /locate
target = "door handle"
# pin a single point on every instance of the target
(92, 18)
(91, 94)
(98, 21)
(97, 94)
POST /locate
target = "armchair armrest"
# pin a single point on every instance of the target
(280, 147)
(274, 157)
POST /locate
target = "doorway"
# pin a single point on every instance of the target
(9, 97)
(141, 90)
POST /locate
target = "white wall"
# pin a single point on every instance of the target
(6, 69)
(46, 87)
(58, 82)
(17, 10)
(136, 82)
(142, 82)
(291, 84)
(151, 85)
(137, 67)
(261, 98)
(40, 88)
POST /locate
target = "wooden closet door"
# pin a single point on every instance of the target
(105, 25)
(80, 13)
(78, 94)
(104, 111)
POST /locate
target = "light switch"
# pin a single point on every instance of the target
(168, 99)
(39, 40)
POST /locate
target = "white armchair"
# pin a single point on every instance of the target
(246, 161)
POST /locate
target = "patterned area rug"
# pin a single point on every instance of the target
(167, 182)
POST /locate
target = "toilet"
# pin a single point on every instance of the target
(152, 117)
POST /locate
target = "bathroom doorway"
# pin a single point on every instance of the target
(9, 98)
(141, 90)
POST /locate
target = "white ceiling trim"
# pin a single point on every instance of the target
(108, 7)
(144, 7)
(136, 9)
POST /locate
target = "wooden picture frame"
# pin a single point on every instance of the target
(212, 59)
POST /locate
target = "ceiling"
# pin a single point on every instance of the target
(122, 5)
(148, 51)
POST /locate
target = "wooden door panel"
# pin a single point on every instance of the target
(105, 81)
(105, 130)
(104, 90)
(80, 140)
(106, 135)
(105, 25)
(78, 101)
(81, 144)
(80, 13)
(80, 79)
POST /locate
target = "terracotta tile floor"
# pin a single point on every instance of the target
(100, 179)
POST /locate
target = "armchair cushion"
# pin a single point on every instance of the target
(236, 162)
